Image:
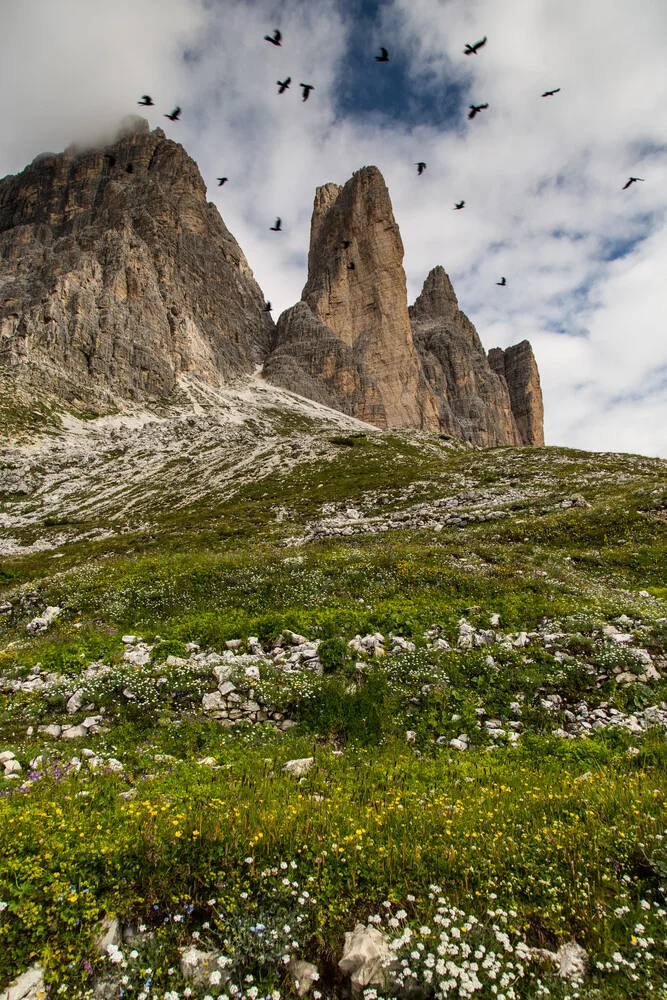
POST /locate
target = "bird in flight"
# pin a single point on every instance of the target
(346, 244)
(459, 204)
(267, 307)
(631, 180)
(475, 109)
(384, 56)
(283, 85)
(471, 50)
(146, 101)
(421, 167)
(306, 89)
(351, 266)
(222, 180)
(175, 115)
(276, 228)
(501, 282)
(550, 93)
(274, 39)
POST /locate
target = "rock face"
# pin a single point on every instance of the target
(351, 332)
(473, 400)
(517, 364)
(353, 344)
(117, 276)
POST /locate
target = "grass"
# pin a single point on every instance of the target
(513, 833)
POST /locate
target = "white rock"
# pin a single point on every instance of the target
(197, 965)
(521, 639)
(12, 767)
(226, 688)
(129, 640)
(73, 732)
(138, 657)
(365, 951)
(114, 765)
(252, 671)
(298, 767)
(494, 619)
(572, 961)
(410, 736)
(222, 672)
(458, 744)
(51, 730)
(233, 643)
(176, 661)
(304, 975)
(91, 720)
(75, 703)
(644, 593)
(108, 933)
(42, 622)
(7, 755)
(213, 702)
(28, 986)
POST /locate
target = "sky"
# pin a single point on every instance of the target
(542, 178)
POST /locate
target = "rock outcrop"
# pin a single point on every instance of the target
(473, 400)
(351, 332)
(353, 344)
(117, 276)
(518, 366)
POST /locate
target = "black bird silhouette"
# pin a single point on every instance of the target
(384, 57)
(631, 180)
(267, 307)
(283, 85)
(222, 180)
(351, 266)
(550, 93)
(146, 101)
(346, 244)
(421, 167)
(276, 228)
(275, 39)
(475, 109)
(501, 282)
(471, 50)
(306, 89)
(175, 115)
(459, 204)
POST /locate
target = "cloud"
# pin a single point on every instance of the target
(541, 177)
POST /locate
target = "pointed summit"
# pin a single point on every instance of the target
(364, 306)
(518, 367)
(437, 299)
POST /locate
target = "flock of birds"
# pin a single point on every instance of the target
(283, 85)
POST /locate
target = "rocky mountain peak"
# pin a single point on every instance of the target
(518, 367)
(437, 299)
(117, 276)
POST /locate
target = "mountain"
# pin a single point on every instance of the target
(353, 343)
(118, 279)
(117, 276)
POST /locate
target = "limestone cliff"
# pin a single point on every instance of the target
(518, 366)
(352, 342)
(360, 345)
(116, 276)
(474, 401)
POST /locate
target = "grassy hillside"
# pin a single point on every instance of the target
(523, 584)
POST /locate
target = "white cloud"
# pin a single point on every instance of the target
(541, 177)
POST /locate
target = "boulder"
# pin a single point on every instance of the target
(367, 958)
(108, 933)
(297, 768)
(28, 986)
(304, 974)
(197, 966)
